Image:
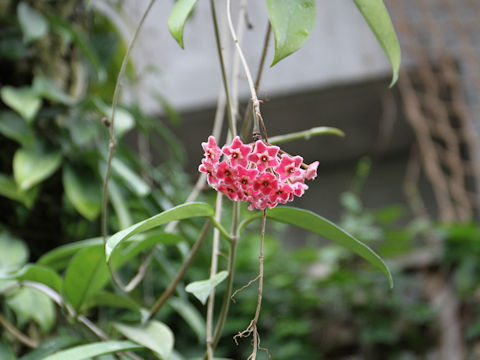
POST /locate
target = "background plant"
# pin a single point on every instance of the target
(56, 123)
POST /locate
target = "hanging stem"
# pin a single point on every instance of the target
(113, 140)
(231, 120)
(255, 102)
(252, 327)
(247, 120)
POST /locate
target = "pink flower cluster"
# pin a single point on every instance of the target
(255, 173)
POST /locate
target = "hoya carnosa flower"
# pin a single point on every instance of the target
(212, 151)
(255, 173)
(264, 156)
(237, 153)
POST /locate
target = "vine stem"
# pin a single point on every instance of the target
(252, 327)
(17, 334)
(181, 273)
(111, 131)
(248, 113)
(255, 102)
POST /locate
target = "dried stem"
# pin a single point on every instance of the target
(111, 131)
(181, 273)
(252, 328)
(248, 113)
(17, 334)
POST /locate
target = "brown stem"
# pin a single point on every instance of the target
(17, 334)
(181, 273)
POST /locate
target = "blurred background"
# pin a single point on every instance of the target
(405, 179)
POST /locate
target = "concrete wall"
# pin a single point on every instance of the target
(340, 49)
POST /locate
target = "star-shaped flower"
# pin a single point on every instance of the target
(289, 166)
(212, 151)
(264, 156)
(237, 153)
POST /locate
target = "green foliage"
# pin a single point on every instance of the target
(84, 352)
(154, 335)
(201, 289)
(377, 18)
(292, 23)
(85, 276)
(318, 225)
(178, 17)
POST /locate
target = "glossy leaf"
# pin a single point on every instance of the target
(178, 17)
(59, 257)
(378, 19)
(50, 346)
(84, 352)
(10, 189)
(190, 314)
(23, 100)
(119, 205)
(201, 289)
(37, 273)
(13, 253)
(83, 190)
(14, 127)
(33, 23)
(316, 224)
(154, 335)
(32, 304)
(184, 211)
(292, 23)
(86, 275)
(32, 166)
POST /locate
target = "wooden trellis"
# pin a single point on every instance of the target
(440, 88)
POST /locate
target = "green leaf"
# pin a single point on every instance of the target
(9, 189)
(23, 100)
(138, 243)
(201, 289)
(59, 257)
(37, 273)
(45, 88)
(14, 127)
(134, 181)
(33, 304)
(6, 352)
(13, 253)
(33, 23)
(32, 166)
(190, 314)
(154, 335)
(377, 18)
(184, 211)
(50, 346)
(315, 223)
(178, 17)
(84, 352)
(86, 275)
(83, 190)
(113, 300)
(119, 204)
(292, 23)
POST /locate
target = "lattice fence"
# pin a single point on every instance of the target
(440, 88)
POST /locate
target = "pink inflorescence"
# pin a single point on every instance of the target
(255, 173)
